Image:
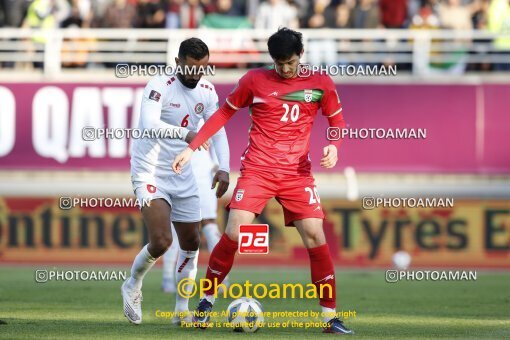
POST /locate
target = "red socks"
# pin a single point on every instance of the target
(322, 269)
(220, 261)
(323, 273)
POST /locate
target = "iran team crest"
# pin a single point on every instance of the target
(199, 108)
(151, 188)
(308, 95)
(239, 194)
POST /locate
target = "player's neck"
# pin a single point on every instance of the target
(284, 78)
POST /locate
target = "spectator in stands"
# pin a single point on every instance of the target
(226, 16)
(80, 15)
(191, 14)
(393, 13)
(454, 15)
(44, 14)
(173, 10)
(119, 14)
(480, 21)
(230, 8)
(209, 6)
(499, 22)
(365, 15)
(342, 16)
(12, 12)
(151, 14)
(425, 19)
(74, 51)
(322, 15)
(273, 14)
(480, 16)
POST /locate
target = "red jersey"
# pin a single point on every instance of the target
(282, 112)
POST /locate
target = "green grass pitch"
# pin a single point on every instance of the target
(89, 309)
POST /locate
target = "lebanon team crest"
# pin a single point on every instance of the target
(199, 108)
(239, 194)
(308, 95)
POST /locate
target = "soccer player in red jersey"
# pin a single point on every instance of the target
(283, 102)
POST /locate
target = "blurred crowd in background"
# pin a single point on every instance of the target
(492, 15)
(483, 15)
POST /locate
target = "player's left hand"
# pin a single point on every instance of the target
(221, 178)
(330, 157)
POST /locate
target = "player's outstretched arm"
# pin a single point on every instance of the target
(181, 160)
(212, 125)
(191, 135)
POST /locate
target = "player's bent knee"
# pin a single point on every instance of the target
(159, 245)
(191, 242)
(314, 239)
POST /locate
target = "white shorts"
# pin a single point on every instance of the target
(208, 200)
(180, 192)
(202, 169)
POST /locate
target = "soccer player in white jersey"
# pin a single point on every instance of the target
(172, 102)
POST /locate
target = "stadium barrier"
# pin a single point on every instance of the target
(471, 234)
(424, 52)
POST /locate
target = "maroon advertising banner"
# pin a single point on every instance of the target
(392, 128)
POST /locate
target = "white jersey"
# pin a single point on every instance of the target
(203, 164)
(168, 104)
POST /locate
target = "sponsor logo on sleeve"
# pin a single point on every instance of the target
(155, 95)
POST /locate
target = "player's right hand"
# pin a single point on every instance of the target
(181, 160)
(191, 135)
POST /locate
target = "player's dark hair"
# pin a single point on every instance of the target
(194, 48)
(285, 43)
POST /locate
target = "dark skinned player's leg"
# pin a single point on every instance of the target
(157, 220)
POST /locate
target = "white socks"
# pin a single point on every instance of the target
(212, 235)
(142, 264)
(328, 313)
(186, 267)
(170, 258)
(209, 298)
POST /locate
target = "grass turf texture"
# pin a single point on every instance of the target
(92, 309)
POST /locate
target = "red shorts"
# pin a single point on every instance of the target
(297, 194)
